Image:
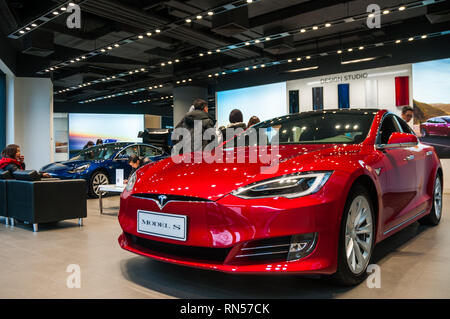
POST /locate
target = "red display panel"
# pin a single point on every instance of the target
(402, 90)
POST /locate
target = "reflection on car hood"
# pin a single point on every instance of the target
(64, 166)
(213, 181)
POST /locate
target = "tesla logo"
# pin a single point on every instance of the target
(162, 199)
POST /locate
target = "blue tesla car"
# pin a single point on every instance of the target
(98, 164)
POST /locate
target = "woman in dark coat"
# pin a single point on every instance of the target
(12, 160)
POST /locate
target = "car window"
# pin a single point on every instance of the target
(388, 127)
(405, 127)
(128, 152)
(440, 120)
(327, 127)
(100, 152)
(149, 151)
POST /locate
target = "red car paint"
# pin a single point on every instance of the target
(403, 194)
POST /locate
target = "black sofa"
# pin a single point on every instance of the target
(36, 201)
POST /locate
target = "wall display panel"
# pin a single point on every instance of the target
(265, 101)
(371, 91)
(431, 84)
(344, 95)
(317, 95)
(108, 127)
(294, 106)
(402, 90)
(370, 88)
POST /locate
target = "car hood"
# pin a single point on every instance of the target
(215, 180)
(64, 166)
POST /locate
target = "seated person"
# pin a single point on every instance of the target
(12, 160)
(135, 163)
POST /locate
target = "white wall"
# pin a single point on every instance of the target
(386, 88)
(29, 117)
(33, 120)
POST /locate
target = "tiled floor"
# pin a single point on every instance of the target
(414, 263)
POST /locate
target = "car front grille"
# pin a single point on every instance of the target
(194, 253)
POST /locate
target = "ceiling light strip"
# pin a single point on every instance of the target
(279, 62)
(103, 80)
(161, 29)
(48, 16)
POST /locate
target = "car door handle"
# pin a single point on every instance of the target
(429, 153)
(409, 157)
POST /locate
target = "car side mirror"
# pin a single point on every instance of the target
(398, 139)
(403, 138)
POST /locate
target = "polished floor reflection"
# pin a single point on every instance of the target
(414, 263)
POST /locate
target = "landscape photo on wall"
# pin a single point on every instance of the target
(431, 93)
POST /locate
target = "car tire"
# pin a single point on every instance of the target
(434, 217)
(356, 242)
(424, 133)
(98, 178)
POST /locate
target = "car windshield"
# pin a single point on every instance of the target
(326, 127)
(446, 119)
(100, 152)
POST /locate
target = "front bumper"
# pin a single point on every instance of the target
(232, 223)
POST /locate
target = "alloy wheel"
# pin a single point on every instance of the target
(438, 198)
(359, 235)
(99, 179)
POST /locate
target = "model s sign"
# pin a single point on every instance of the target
(162, 225)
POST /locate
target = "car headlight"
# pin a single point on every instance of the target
(80, 169)
(289, 186)
(131, 182)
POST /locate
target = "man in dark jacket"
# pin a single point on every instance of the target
(200, 113)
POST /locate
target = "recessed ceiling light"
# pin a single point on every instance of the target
(176, 60)
(140, 36)
(371, 15)
(157, 31)
(188, 20)
(209, 52)
(290, 60)
(303, 30)
(149, 34)
(27, 28)
(398, 41)
(361, 48)
(103, 50)
(350, 50)
(218, 50)
(116, 45)
(410, 39)
(199, 17)
(63, 9)
(315, 27)
(402, 8)
(257, 41)
(249, 1)
(201, 54)
(268, 39)
(21, 31)
(34, 25)
(386, 12)
(308, 57)
(109, 48)
(328, 25)
(210, 13)
(247, 43)
(299, 59)
(55, 13)
(339, 51)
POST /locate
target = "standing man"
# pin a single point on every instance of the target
(407, 113)
(200, 113)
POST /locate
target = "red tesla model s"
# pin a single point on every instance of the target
(439, 126)
(345, 180)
